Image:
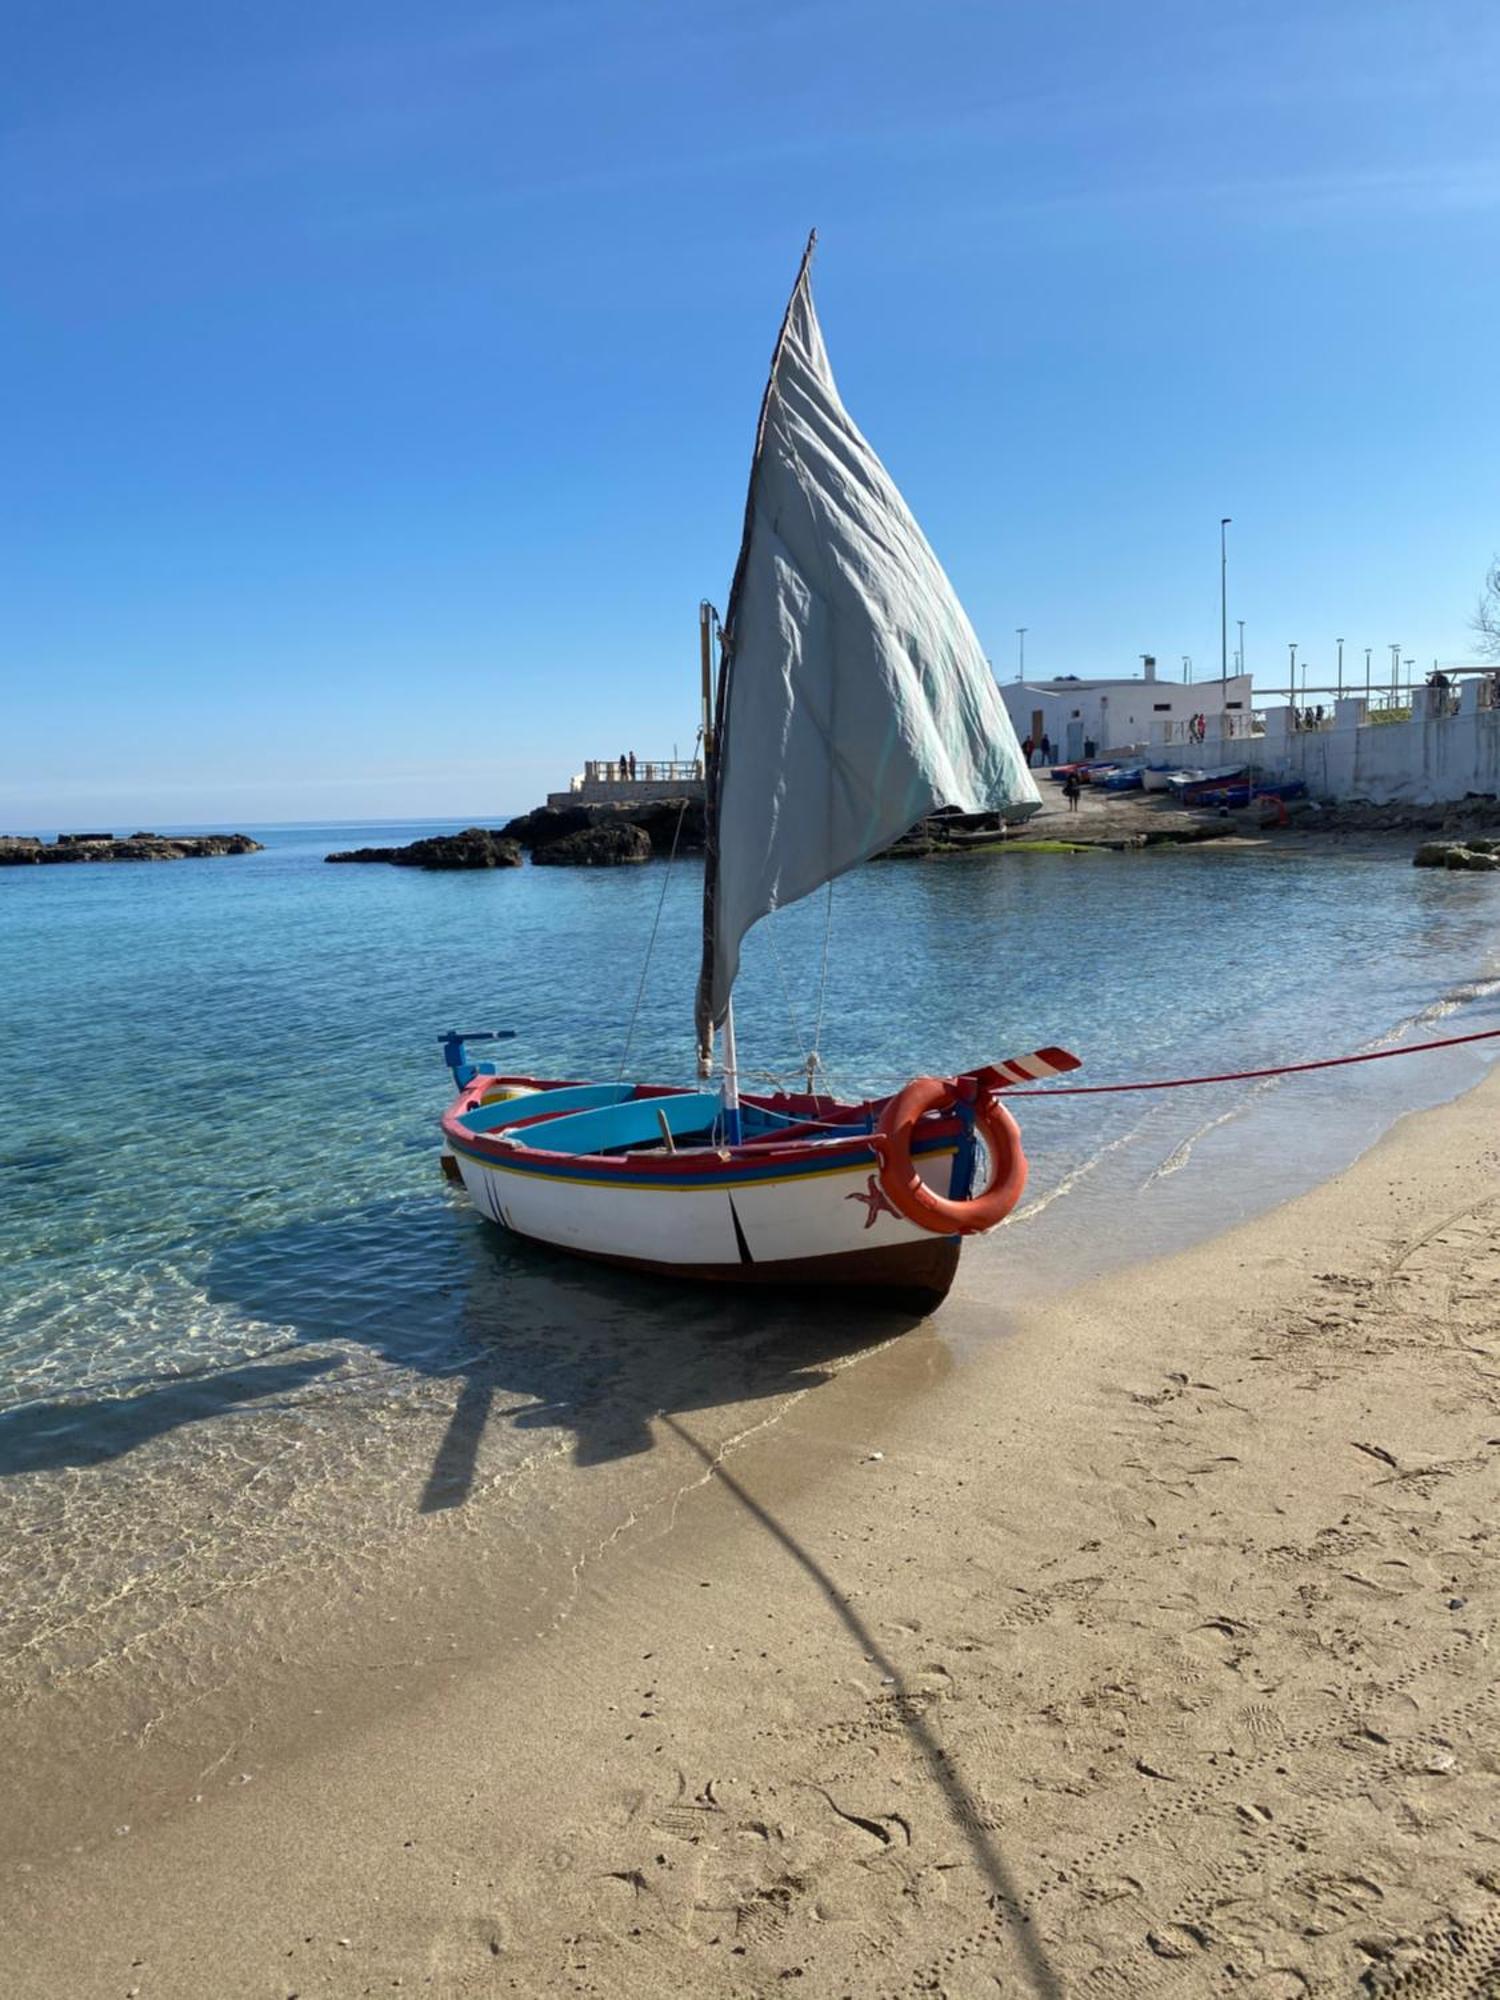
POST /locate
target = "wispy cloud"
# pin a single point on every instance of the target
(748, 91)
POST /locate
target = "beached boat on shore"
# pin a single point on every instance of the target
(1204, 788)
(1234, 787)
(851, 700)
(642, 1175)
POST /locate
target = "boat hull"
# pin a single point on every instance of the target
(807, 1213)
(918, 1275)
(821, 1228)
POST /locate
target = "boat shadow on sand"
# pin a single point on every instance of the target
(593, 1350)
(434, 1290)
(76, 1433)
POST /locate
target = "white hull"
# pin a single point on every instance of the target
(789, 1221)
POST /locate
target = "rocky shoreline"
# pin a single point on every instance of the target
(603, 836)
(556, 837)
(23, 850)
(1478, 855)
(1355, 816)
(667, 823)
(475, 847)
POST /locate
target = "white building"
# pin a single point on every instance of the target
(1138, 712)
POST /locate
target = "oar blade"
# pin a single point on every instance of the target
(1036, 1067)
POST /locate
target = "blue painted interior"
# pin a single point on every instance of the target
(628, 1124)
(572, 1097)
(630, 1121)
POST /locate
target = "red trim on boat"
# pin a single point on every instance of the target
(805, 1142)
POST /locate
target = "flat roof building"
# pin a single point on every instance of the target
(1124, 712)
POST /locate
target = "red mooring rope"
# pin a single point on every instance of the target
(1248, 1075)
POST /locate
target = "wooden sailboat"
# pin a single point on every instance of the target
(852, 699)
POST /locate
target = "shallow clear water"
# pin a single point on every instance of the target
(221, 1078)
(223, 1222)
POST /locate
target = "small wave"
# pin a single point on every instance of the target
(1446, 1004)
(1078, 1174)
(1466, 995)
(1181, 1153)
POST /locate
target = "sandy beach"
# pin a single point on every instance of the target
(1137, 1642)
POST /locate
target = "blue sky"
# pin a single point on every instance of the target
(380, 382)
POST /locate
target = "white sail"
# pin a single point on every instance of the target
(857, 698)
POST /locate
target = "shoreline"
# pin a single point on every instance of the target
(1145, 1639)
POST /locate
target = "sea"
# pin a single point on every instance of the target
(247, 1327)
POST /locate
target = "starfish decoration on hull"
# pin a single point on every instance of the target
(875, 1197)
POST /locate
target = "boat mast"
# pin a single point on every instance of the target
(730, 1089)
(714, 745)
(707, 619)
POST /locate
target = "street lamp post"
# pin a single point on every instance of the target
(1021, 631)
(1241, 623)
(1341, 669)
(1223, 611)
(1368, 651)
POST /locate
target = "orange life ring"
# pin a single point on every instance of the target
(904, 1187)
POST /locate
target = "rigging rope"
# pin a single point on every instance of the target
(1249, 1075)
(815, 1059)
(791, 1014)
(640, 991)
(812, 1063)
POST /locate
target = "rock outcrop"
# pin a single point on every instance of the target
(663, 821)
(21, 850)
(475, 847)
(548, 823)
(672, 819)
(558, 836)
(1476, 853)
(605, 845)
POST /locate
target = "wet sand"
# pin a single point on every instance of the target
(1144, 1649)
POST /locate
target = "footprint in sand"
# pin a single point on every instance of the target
(1459, 1962)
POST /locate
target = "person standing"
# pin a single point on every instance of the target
(1071, 789)
(1026, 749)
(624, 768)
(632, 767)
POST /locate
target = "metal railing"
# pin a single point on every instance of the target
(639, 771)
(1226, 724)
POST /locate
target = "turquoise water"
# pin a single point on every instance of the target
(244, 1322)
(221, 1078)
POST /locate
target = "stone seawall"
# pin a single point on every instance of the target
(626, 794)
